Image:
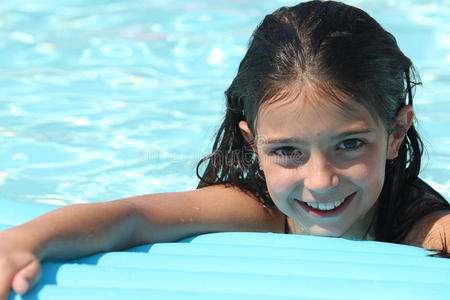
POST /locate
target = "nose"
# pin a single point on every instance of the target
(319, 174)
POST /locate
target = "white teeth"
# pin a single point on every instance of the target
(325, 206)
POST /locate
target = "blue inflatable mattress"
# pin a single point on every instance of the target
(241, 266)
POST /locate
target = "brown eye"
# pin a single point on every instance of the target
(350, 144)
(287, 152)
(288, 156)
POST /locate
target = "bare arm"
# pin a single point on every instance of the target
(211, 209)
(431, 232)
(83, 229)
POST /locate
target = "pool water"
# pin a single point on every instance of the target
(103, 99)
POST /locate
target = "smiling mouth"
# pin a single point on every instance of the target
(329, 209)
(325, 206)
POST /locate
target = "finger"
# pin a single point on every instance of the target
(20, 285)
(27, 277)
(7, 271)
(5, 281)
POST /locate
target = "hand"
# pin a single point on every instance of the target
(19, 267)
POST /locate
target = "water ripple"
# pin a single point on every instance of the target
(106, 99)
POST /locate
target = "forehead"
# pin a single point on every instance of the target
(305, 110)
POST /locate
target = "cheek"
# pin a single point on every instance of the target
(280, 182)
(365, 173)
(369, 173)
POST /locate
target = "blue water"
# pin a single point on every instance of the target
(106, 99)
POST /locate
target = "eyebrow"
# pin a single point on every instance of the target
(299, 141)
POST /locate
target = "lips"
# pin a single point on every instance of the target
(325, 210)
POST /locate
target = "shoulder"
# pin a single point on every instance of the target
(431, 232)
(431, 227)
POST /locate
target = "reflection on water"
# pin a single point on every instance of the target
(106, 99)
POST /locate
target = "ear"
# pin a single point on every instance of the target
(247, 134)
(405, 118)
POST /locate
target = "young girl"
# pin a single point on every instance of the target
(317, 139)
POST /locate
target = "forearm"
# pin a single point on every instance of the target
(79, 230)
(83, 229)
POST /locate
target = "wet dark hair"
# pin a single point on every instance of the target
(336, 47)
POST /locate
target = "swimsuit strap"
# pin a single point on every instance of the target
(286, 225)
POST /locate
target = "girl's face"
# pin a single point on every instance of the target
(324, 165)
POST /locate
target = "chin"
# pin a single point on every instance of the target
(320, 231)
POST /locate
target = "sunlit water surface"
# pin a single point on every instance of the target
(106, 99)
